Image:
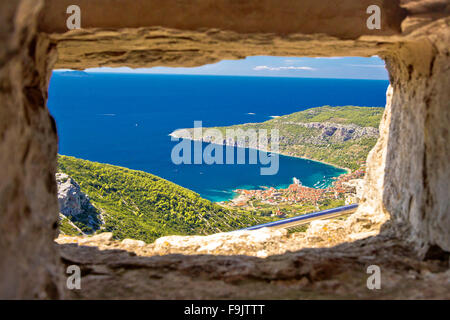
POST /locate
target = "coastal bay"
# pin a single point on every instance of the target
(177, 134)
(339, 136)
(125, 120)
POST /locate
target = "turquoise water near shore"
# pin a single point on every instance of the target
(126, 119)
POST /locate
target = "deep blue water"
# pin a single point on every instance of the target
(125, 119)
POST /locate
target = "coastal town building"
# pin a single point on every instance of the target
(346, 186)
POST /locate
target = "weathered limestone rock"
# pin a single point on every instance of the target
(238, 242)
(259, 243)
(29, 262)
(72, 201)
(109, 272)
(371, 213)
(262, 242)
(341, 132)
(417, 170)
(75, 204)
(333, 132)
(346, 20)
(408, 170)
(132, 243)
(356, 186)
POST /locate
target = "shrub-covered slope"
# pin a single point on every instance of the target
(139, 205)
(342, 136)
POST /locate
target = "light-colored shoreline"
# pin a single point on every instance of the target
(347, 170)
(280, 153)
(236, 194)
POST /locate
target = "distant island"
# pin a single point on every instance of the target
(73, 73)
(340, 136)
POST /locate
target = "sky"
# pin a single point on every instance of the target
(337, 67)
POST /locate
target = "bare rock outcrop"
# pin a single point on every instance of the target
(259, 243)
(73, 203)
(371, 209)
(328, 131)
(414, 184)
(113, 269)
(341, 132)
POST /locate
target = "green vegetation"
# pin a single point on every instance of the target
(139, 205)
(290, 210)
(67, 228)
(342, 136)
(348, 154)
(361, 116)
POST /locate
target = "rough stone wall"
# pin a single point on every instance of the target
(417, 166)
(346, 19)
(408, 170)
(159, 46)
(371, 213)
(28, 145)
(231, 267)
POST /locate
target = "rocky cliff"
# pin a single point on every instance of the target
(340, 132)
(326, 132)
(74, 204)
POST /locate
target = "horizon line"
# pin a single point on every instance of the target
(211, 75)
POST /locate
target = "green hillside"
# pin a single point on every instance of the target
(342, 136)
(67, 227)
(361, 116)
(139, 205)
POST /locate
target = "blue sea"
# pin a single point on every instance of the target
(126, 119)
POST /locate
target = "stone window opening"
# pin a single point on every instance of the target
(407, 178)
